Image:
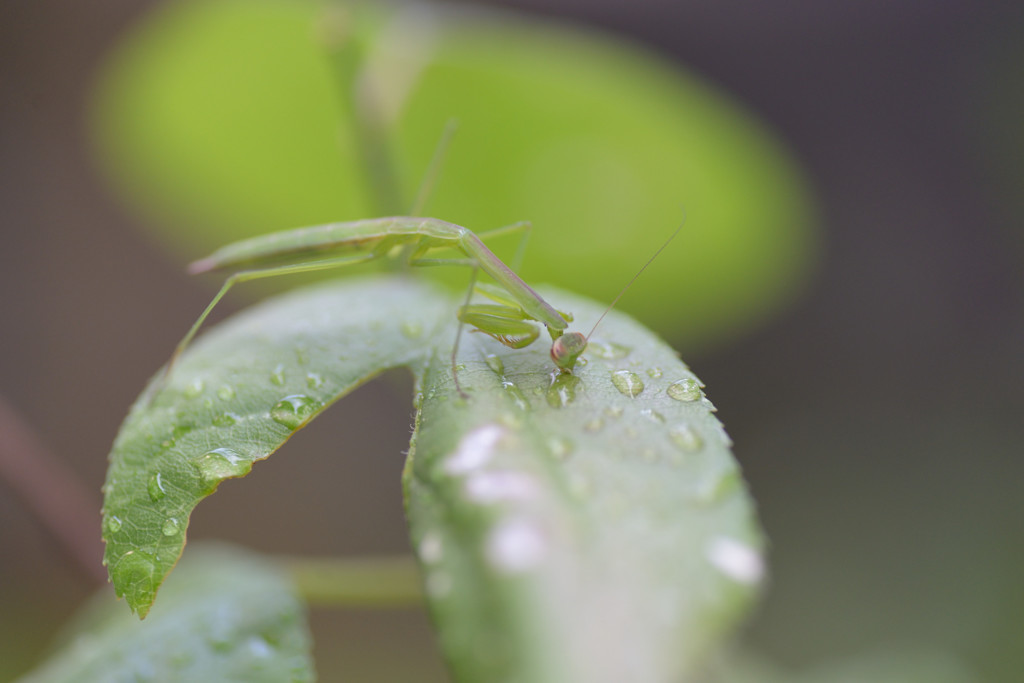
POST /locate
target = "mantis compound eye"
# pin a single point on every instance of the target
(566, 349)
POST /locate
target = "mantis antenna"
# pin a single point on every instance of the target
(570, 345)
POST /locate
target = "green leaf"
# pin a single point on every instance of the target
(226, 616)
(588, 527)
(234, 397)
(219, 119)
(583, 527)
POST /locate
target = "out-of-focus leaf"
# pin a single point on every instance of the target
(589, 527)
(226, 616)
(221, 119)
(238, 394)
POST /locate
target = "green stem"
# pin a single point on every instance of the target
(347, 57)
(377, 582)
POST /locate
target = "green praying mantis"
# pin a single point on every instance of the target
(510, 320)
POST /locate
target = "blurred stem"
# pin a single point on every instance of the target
(51, 492)
(347, 57)
(381, 582)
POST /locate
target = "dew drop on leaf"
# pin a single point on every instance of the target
(516, 394)
(431, 548)
(222, 463)
(224, 420)
(608, 350)
(155, 487)
(562, 391)
(560, 447)
(171, 527)
(293, 411)
(628, 383)
(686, 438)
(496, 364)
(593, 426)
(225, 393)
(653, 415)
(654, 373)
(314, 381)
(614, 411)
(412, 330)
(685, 390)
(515, 546)
(112, 524)
(193, 388)
(277, 376)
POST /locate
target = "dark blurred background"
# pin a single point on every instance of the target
(878, 420)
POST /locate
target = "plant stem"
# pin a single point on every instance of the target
(378, 582)
(51, 492)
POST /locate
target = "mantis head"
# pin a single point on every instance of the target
(566, 349)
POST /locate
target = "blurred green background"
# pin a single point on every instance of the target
(848, 281)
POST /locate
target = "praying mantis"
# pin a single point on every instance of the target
(510, 320)
(334, 245)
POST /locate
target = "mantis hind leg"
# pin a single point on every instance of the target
(245, 276)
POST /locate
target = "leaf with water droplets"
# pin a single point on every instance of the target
(239, 393)
(225, 616)
(603, 535)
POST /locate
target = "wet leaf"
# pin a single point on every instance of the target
(225, 616)
(587, 527)
(234, 397)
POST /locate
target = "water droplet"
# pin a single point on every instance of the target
(438, 584)
(686, 437)
(225, 420)
(156, 488)
(412, 330)
(134, 570)
(560, 447)
(112, 524)
(607, 350)
(516, 394)
(474, 450)
(277, 376)
(515, 546)
(628, 383)
(293, 411)
(581, 362)
(225, 393)
(654, 373)
(653, 415)
(193, 388)
(736, 559)
(579, 486)
(314, 381)
(496, 364)
(222, 463)
(718, 486)
(181, 429)
(258, 647)
(431, 548)
(496, 486)
(593, 425)
(171, 527)
(687, 389)
(301, 355)
(614, 411)
(562, 391)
